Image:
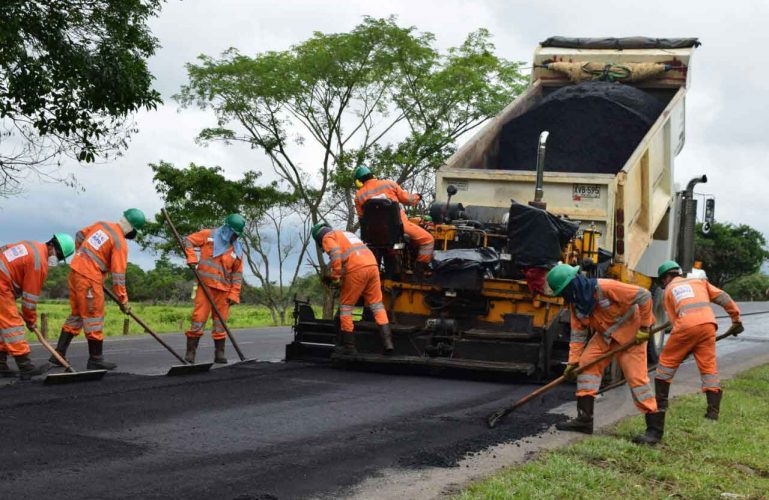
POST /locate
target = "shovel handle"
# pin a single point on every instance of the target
(53, 351)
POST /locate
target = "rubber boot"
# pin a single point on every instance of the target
(95, 357)
(584, 421)
(27, 370)
(662, 392)
(192, 347)
(387, 338)
(219, 351)
(5, 370)
(714, 404)
(655, 428)
(61, 347)
(347, 346)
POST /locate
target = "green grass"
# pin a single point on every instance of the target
(698, 458)
(161, 318)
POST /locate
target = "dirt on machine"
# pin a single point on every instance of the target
(579, 169)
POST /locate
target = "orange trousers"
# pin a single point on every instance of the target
(419, 239)
(202, 311)
(633, 365)
(86, 304)
(12, 329)
(699, 340)
(363, 281)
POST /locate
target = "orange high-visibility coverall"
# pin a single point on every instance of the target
(687, 302)
(418, 237)
(223, 275)
(101, 248)
(23, 269)
(620, 310)
(355, 265)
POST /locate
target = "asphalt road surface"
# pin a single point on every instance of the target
(258, 430)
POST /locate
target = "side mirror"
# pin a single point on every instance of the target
(451, 189)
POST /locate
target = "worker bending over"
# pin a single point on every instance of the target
(220, 267)
(355, 266)
(101, 249)
(687, 303)
(615, 312)
(23, 269)
(369, 187)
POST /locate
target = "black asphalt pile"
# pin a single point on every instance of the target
(594, 128)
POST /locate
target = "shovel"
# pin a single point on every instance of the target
(495, 417)
(185, 368)
(70, 375)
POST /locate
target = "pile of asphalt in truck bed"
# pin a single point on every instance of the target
(594, 128)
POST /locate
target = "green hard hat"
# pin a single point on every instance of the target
(236, 222)
(316, 229)
(66, 244)
(667, 266)
(135, 217)
(361, 172)
(560, 276)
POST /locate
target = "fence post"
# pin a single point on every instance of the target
(126, 325)
(44, 325)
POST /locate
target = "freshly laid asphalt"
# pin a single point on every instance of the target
(256, 430)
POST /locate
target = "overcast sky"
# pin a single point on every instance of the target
(726, 104)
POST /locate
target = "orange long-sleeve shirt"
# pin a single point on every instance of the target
(224, 272)
(25, 265)
(687, 302)
(347, 253)
(102, 248)
(375, 188)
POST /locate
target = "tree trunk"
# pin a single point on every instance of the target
(328, 303)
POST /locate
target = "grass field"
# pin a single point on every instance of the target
(161, 318)
(698, 459)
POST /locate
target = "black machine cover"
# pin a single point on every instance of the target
(536, 237)
(633, 42)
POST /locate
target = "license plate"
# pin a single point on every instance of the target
(586, 191)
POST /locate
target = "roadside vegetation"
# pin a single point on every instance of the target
(698, 459)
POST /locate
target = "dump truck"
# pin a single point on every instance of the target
(579, 168)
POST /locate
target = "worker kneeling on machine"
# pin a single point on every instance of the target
(354, 267)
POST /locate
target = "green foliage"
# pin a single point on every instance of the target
(698, 459)
(751, 287)
(71, 71)
(729, 251)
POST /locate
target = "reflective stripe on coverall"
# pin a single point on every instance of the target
(223, 275)
(620, 310)
(418, 237)
(23, 269)
(687, 303)
(355, 265)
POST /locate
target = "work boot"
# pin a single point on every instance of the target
(27, 370)
(192, 347)
(219, 351)
(714, 404)
(661, 391)
(61, 347)
(95, 357)
(655, 428)
(5, 370)
(584, 421)
(387, 338)
(347, 346)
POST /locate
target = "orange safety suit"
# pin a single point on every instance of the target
(687, 302)
(356, 266)
(620, 310)
(418, 237)
(223, 275)
(101, 248)
(23, 269)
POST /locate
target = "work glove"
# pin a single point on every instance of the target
(31, 326)
(125, 307)
(232, 302)
(330, 281)
(642, 336)
(735, 329)
(192, 265)
(570, 372)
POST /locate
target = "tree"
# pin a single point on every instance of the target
(751, 287)
(71, 73)
(730, 251)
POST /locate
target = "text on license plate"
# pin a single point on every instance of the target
(583, 191)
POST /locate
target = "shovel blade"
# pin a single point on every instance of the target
(71, 377)
(178, 370)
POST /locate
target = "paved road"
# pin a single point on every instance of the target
(255, 430)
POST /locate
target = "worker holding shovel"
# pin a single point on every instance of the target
(23, 269)
(617, 313)
(220, 268)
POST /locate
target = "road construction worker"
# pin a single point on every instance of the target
(369, 187)
(23, 269)
(101, 248)
(687, 303)
(355, 268)
(220, 267)
(618, 313)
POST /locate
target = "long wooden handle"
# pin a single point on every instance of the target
(206, 291)
(53, 351)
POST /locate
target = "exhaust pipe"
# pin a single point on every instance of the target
(538, 190)
(688, 224)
